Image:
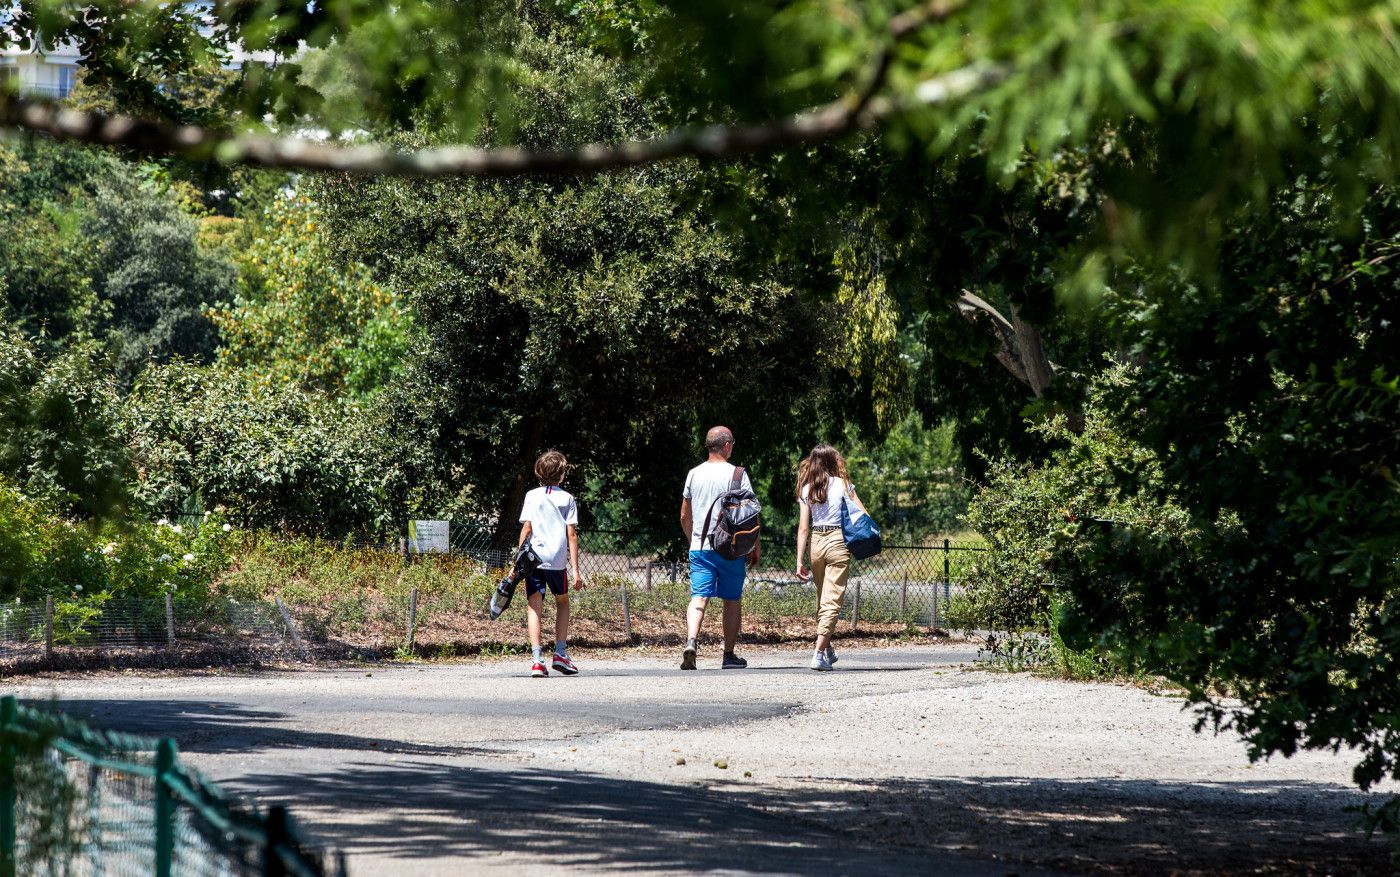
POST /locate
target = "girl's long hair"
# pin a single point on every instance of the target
(817, 469)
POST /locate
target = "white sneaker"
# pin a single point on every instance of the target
(820, 661)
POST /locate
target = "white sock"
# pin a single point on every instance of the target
(539, 656)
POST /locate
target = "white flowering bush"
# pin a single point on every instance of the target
(83, 565)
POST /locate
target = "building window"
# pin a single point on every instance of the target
(66, 77)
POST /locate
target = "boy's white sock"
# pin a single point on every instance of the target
(560, 648)
(539, 653)
(690, 644)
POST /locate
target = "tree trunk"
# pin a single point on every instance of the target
(507, 522)
(1019, 348)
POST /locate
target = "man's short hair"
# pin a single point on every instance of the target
(550, 468)
(717, 438)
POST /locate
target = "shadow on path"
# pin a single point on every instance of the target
(1107, 824)
(574, 820)
(219, 727)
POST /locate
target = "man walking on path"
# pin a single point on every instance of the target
(711, 575)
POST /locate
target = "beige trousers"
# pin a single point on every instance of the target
(831, 565)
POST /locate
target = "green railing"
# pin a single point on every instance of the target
(74, 800)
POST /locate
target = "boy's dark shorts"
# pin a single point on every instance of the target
(556, 579)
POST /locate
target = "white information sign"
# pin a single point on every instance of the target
(428, 537)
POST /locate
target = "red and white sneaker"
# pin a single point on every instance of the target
(564, 665)
(538, 671)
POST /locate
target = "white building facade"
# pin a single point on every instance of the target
(45, 72)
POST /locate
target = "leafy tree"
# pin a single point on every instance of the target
(598, 316)
(153, 275)
(301, 317)
(45, 264)
(59, 437)
(279, 457)
(1228, 516)
(1272, 400)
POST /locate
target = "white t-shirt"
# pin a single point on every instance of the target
(703, 486)
(828, 514)
(549, 510)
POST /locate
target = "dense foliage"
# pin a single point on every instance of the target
(279, 457)
(58, 428)
(303, 318)
(606, 317)
(1136, 269)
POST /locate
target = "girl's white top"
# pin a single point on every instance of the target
(828, 514)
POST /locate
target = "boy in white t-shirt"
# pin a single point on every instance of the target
(549, 519)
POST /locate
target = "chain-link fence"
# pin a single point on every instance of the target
(374, 599)
(911, 583)
(74, 801)
(48, 633)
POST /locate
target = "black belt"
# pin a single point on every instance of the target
(826, 529)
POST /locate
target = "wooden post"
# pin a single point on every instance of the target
(650, 567)
(169, 619)
(855, 607)
(626, 612)
(48, 628)
(291, 628)
(412, 616)
(403, 549)
(903, 595)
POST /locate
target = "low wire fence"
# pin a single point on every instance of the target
(38, 634)
(911, 583)
(386, 597)
(77, 801)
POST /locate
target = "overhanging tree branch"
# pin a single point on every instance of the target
(862, 110)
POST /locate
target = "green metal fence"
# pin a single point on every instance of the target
(75, 801)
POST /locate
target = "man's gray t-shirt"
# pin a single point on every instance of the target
(703, 486)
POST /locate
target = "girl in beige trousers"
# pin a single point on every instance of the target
(822, 482)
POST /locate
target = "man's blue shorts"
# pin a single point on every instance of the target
(713, 576)
(556, 580)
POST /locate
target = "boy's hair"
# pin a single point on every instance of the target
(550, 468)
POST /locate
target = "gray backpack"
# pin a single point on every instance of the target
(737, 527)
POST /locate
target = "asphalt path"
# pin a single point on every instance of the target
(432, 769)
(903, 761)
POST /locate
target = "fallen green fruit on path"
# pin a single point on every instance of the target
(680, 760)
(721, 764)
(748, 773)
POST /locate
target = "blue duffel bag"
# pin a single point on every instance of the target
(861, 535)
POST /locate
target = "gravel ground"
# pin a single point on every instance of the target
(904, 760)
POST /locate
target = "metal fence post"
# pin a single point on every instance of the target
(855, 607)
(169, 619)
(9, 719)
(412, 616)
(626, 612)
(48, 628)
(947, 572)
(165, 807)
